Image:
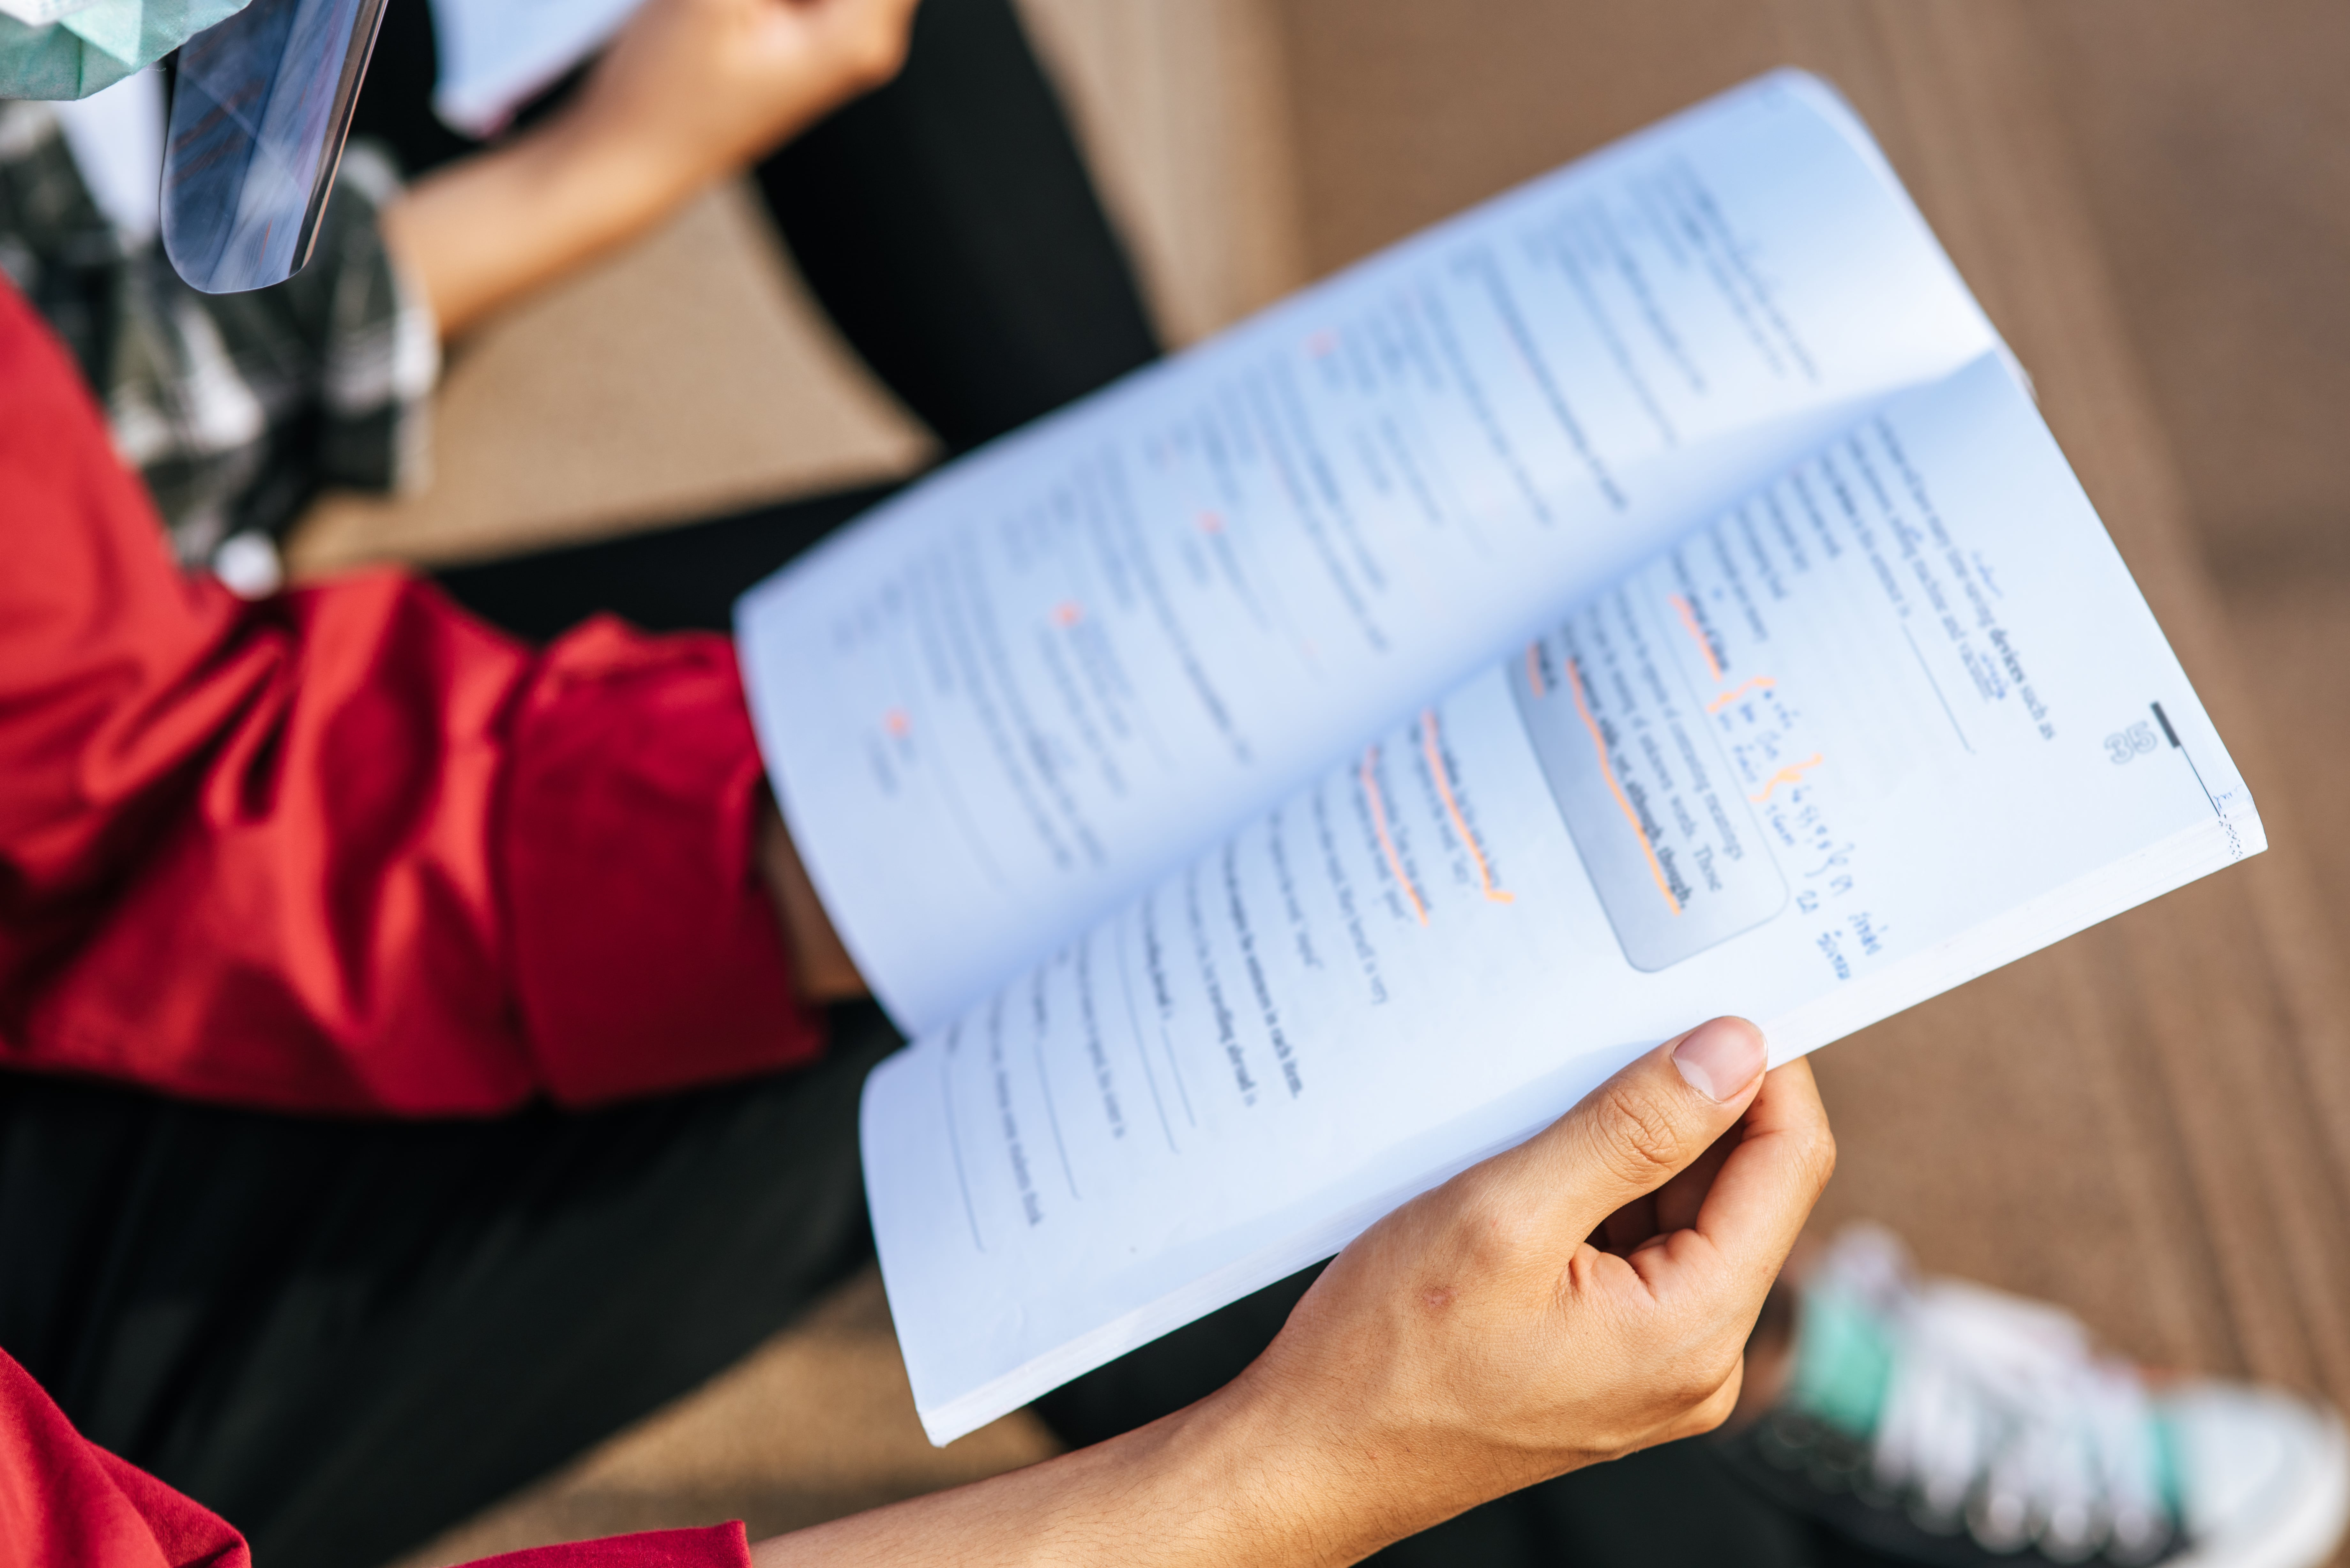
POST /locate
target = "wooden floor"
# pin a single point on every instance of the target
(2151, 1123)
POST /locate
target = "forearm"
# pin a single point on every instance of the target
(1226, 1483)
(691, 91)
(489, 229)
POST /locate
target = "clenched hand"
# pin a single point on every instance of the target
(1583, 1295)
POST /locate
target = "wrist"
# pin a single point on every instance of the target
(1273, 1475)
(1238, 1480)
(821, 966)
(489, 229)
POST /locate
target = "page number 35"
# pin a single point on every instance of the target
(2124, 744)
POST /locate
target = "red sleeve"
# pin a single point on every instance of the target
(712, 1546)
(64, 1502)
(348, 849)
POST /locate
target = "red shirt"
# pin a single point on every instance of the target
(348, 849)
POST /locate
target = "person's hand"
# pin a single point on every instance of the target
(1584, 1295)
(704, 87)
(690, 91)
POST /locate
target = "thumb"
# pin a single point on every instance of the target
(1635, 1132)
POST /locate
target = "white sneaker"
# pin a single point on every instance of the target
(1946, 1424)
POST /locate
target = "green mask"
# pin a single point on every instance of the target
(54, 49)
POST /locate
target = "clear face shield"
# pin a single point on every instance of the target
(262, 101)
(260, 105)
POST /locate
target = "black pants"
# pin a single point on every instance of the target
(346, 1336)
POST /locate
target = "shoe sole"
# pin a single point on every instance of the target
(2311, 1528)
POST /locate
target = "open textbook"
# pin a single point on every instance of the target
(1272, 784)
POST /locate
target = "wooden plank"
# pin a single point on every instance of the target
(2209, 990)
(1181, 107)
(2144, 1123)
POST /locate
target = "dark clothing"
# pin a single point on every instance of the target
(344, 1337)
(950, 230)
(674, 579)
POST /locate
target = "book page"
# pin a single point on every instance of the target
(495, 55)
(1003, 703)
(1898, 716)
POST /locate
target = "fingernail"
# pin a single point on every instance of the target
(1721, 1058)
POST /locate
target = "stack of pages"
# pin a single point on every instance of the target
(1268, 786)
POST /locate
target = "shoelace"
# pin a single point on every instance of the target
(2001, 1416)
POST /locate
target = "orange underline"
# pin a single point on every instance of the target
(1792, 774)
(1704, 645)
(1386, 844)
(1452, 809)
(1607, 770)
(1760, 683)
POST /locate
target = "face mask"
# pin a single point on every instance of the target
(72, 48)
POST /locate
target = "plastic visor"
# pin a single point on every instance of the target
(259, 110)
